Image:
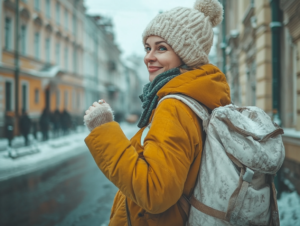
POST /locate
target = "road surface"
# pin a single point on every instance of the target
(74, 192)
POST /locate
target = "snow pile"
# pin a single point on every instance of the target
(289, 209)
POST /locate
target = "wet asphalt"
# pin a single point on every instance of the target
(71, 193)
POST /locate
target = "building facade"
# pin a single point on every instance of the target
(50, 56)
(66, 59)
(259, 53)
(104, 71)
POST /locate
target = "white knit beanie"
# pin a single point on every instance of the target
(188, 31)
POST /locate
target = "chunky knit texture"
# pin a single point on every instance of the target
(98, 115)
(188, 31)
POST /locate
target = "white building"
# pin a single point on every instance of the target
(103, 69)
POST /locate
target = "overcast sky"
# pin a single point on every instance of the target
(130, 17)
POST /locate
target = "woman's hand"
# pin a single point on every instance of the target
(98, 114)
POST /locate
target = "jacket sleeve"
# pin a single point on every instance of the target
(154, 182)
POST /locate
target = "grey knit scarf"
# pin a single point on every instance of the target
(149, 98)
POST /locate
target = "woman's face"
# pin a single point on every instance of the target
(160, 57)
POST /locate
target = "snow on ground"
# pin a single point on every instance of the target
(289, 209)
(49, 153)
(65, 147)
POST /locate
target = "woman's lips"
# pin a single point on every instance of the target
(153, 69)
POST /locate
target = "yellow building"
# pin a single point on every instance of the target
(260, 39)
(50, 56)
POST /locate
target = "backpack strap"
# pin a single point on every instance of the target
(199, 110)
(236, 200)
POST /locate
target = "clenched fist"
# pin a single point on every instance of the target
(98, 114)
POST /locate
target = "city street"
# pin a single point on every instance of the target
(74, 192)
(71, 192)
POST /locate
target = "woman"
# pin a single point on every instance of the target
(152, 177)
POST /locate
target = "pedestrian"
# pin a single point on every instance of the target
(44, 124)
(152, 176)
(25, 126)
(34, 130)
(9, 128)
(65, 121)
(56, 122)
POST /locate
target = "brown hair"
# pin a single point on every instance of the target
(184, 68)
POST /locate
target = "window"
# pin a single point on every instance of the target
(66, 19)
(57, 99)
(57, 53)
(48, 50)
(37, 5)
(66, 58)
(66, 99)
(23, 39)
(8, 96)
(75, 60)
(74, 24)
(36, 96)
(48, 9)
(57, 13)
(24, 96)
(8, 33)
(37, 45)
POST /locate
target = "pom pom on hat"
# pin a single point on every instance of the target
(212, 9)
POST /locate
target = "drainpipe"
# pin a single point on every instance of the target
(275, 26)
(17, 61)
(1, 29)
(223, 44)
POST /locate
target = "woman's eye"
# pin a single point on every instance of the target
(162, 48)
(147, 49)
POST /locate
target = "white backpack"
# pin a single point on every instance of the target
(242, 152)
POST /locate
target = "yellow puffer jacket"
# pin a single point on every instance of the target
(154, 176)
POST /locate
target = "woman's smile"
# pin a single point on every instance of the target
(152, 69)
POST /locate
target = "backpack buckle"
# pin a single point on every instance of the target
(248, 175)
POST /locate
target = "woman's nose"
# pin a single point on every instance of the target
(150, 57)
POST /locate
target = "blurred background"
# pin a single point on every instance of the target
(59, 56)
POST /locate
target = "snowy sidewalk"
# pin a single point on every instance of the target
(45, 154)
